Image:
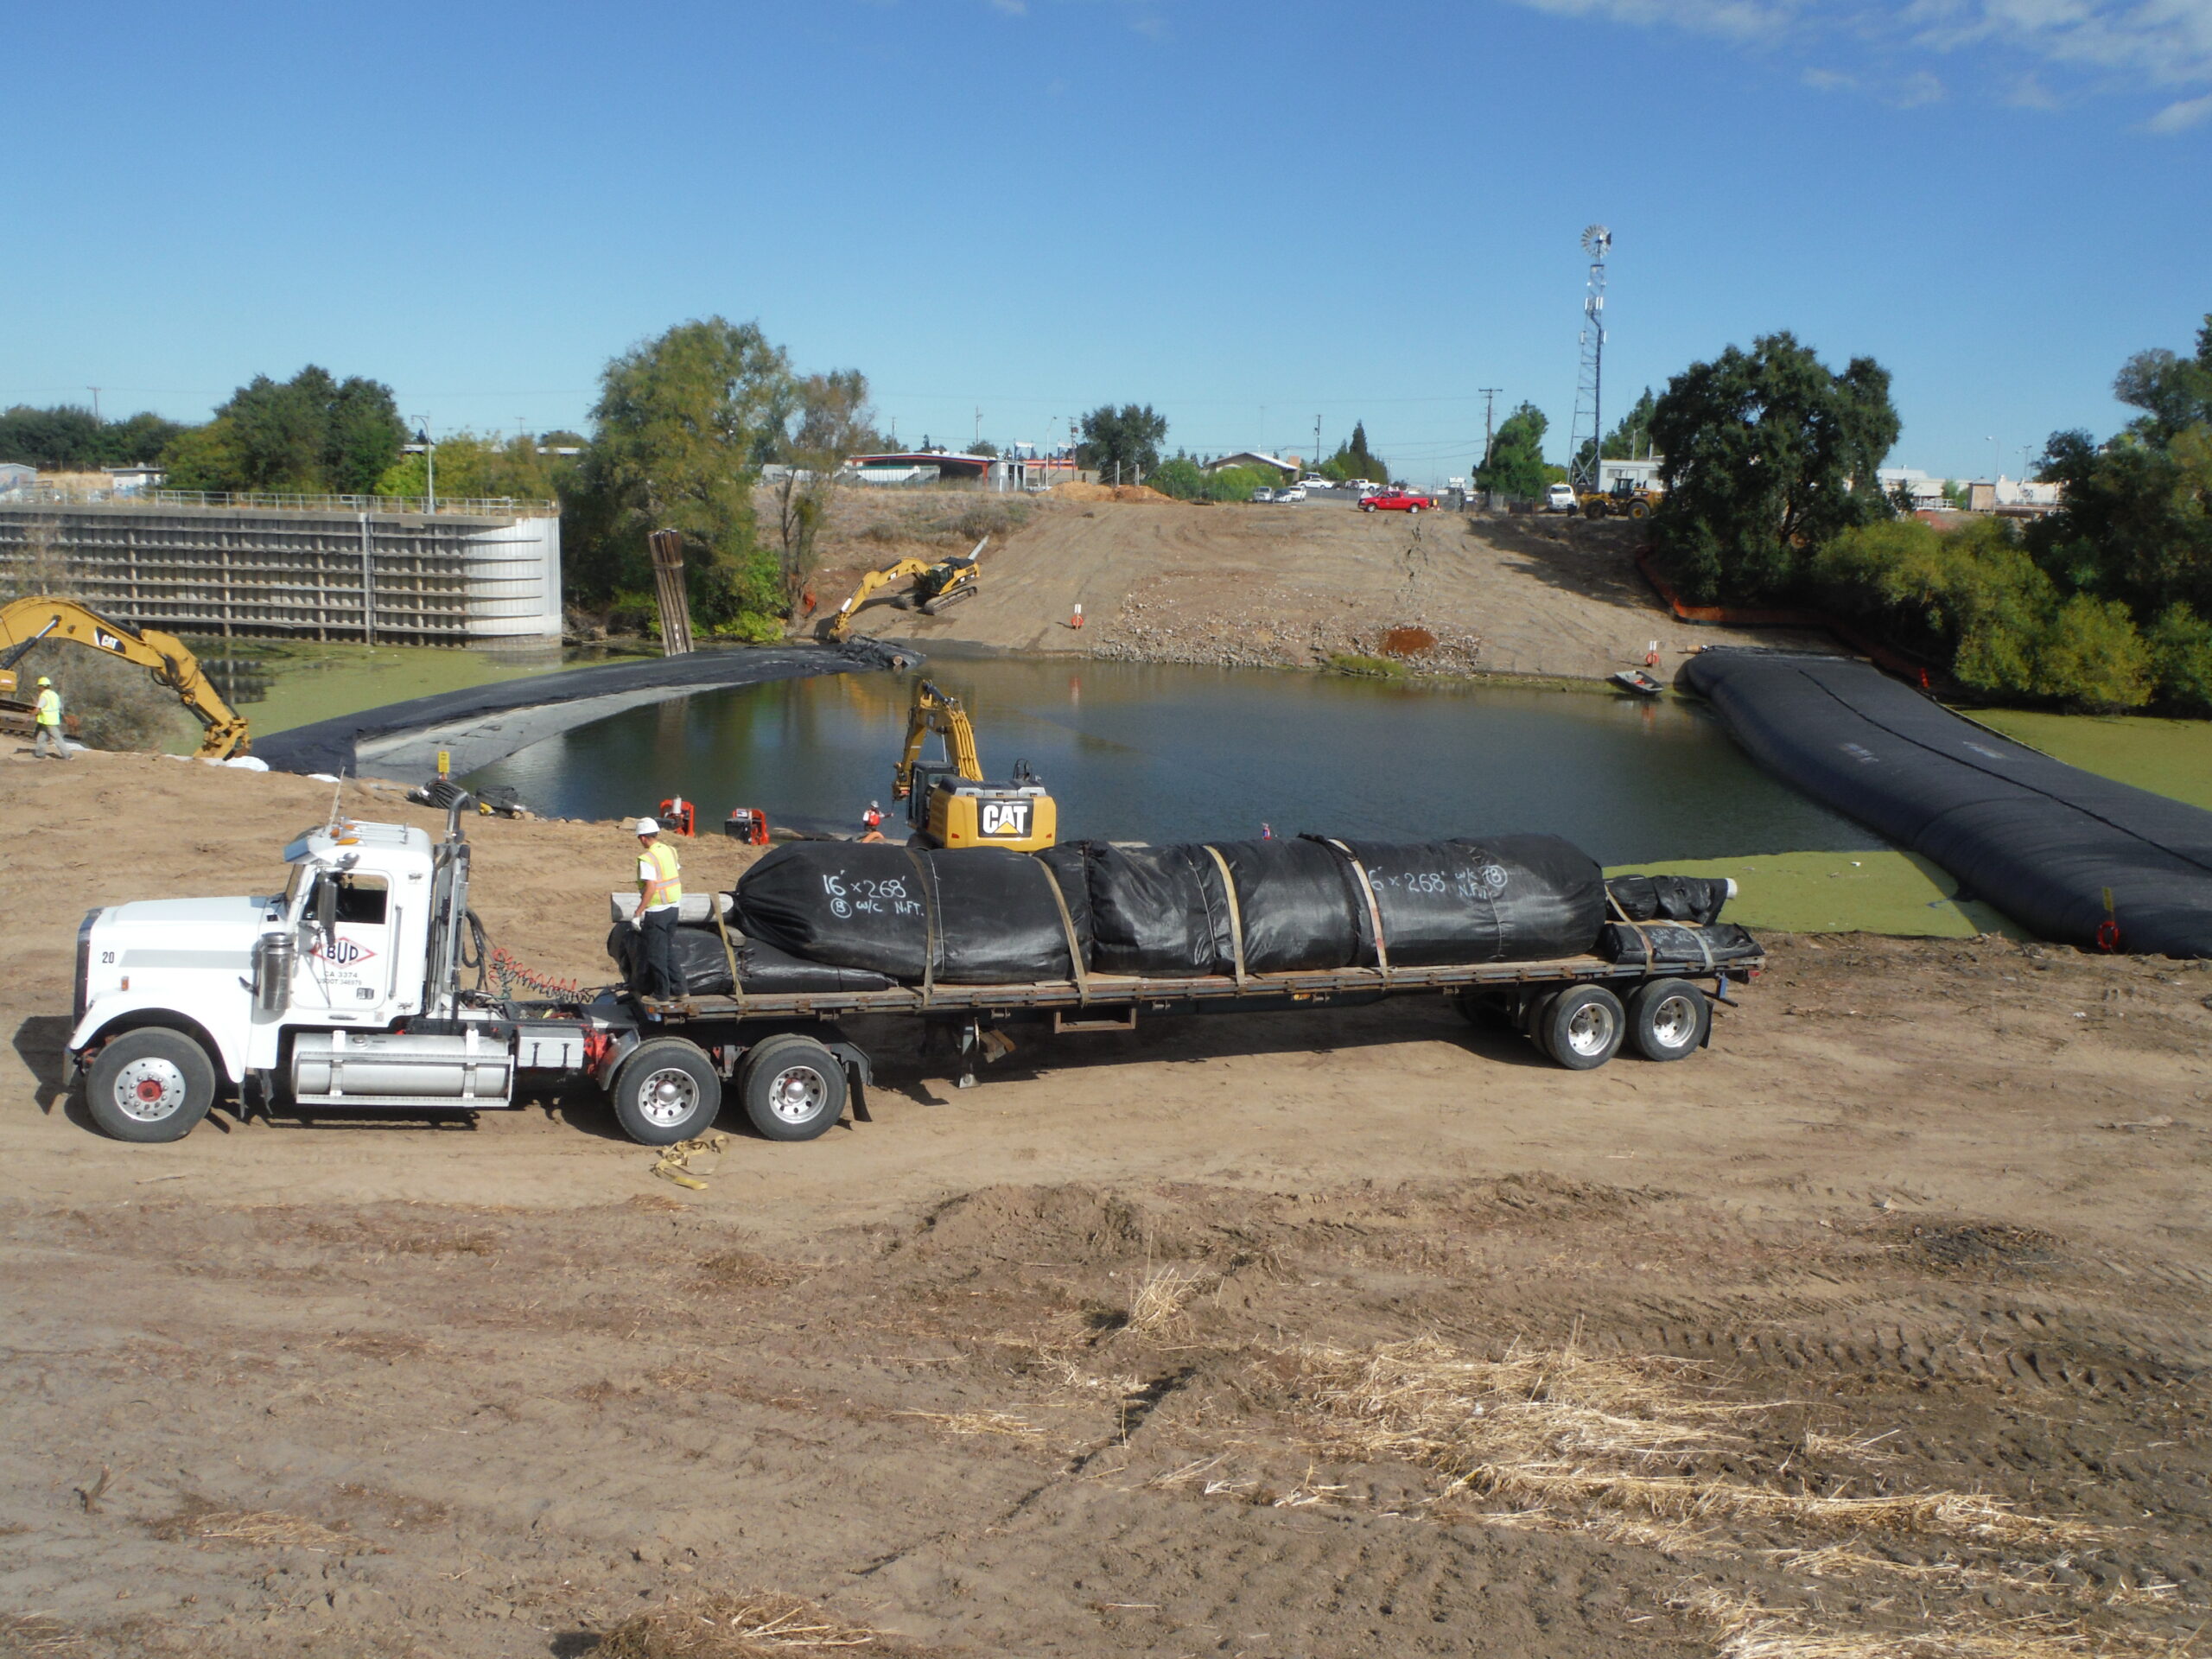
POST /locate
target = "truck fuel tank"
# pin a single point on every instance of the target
(394, 1068)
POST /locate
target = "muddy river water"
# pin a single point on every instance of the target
(1166, 753)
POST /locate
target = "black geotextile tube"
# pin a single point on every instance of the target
(1694, 899)
(1500, 899)
(704, 968)
(2042, 841)
(1675, 944)
(874, 906)
(1155, 912)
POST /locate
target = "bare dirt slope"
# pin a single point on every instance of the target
(1356, 1334)
(1285, 586)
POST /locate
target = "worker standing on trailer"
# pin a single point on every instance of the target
(48, 718)
(660, 900)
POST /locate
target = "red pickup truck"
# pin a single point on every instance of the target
(1396, 502)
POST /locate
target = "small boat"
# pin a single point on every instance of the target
(1639, 683)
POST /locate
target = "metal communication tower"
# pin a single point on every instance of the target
(1590, 379)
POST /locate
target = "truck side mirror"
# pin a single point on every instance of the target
(326, 902)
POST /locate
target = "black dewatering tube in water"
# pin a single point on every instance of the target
(328, 745)
(2071, 856)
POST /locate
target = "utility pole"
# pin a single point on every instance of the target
(1490, 403)
(979, 427)
(1317, 443)
(95, 391)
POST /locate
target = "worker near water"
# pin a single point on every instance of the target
(872, 820)
(47, 728)
(660, 900)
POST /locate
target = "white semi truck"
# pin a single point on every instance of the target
(345, 989)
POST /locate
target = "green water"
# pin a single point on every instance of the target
(1163, 753)
(280, 683)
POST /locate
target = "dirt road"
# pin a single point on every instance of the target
(1360, 1334)
(1280, 586)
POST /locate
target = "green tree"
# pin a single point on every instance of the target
(68, 439)
(683, 423)
(2135, 519)
(1124, 442)
(310, 435)
(831, 420)
(1354, 459)
(1769, 455)
(472, 467)
(1515, 467)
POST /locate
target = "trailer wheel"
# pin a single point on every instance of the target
(666, 1091)
(1668, 1018)
(1582, 1028)
(150, 1084)
(794, 1088)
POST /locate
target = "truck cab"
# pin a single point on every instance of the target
(322, 993)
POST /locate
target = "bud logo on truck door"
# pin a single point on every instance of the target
(1007, 819)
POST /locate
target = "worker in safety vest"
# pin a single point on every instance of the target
(49, 728)
(660, 900)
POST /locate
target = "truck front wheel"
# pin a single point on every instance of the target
(794, 1088)
(150, 1084)
(666, 1091)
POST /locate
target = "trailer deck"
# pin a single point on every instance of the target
(1114, 991)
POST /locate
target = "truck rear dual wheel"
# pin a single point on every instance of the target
(1668, 1018)
(667, 1091)
(150, 1085)
(1580, 1027)
(792, 1086)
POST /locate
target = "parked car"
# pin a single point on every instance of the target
(1397, 501)
(1560, 498)
(1294, 492)
(1315, 482)
(1263, 493)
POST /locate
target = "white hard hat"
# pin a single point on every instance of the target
(647, 827)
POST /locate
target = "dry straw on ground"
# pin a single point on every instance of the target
(740, 1627)
(1748, 1631)
(1559, 1429)
(1160, 1298)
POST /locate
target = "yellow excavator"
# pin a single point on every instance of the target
(936, 585)
(948, 803)
(27, 622)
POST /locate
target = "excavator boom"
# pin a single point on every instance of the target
(27, 622)
(935, 580)
(950, 802)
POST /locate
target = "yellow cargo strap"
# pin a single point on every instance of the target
(674, 1161)
(929, 928)
(730, 953)
(1080, 968)
(1374, 910)
(1236, 915)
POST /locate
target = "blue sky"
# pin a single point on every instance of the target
(1246, 215)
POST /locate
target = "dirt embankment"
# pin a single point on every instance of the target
(1878, 1329)
(1291, 586)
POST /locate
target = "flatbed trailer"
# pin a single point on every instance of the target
(346, 991)
(783, 1047)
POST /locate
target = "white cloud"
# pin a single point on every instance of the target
(2110, 46)
(1736, 19)
(2179, 118)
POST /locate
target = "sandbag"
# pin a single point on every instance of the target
(1300, 904)
(1158, 912)
(974, 916)
(1673, 945)
(1669, 898)
(1503, 899)
(703, 968)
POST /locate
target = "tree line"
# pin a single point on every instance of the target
(1770, 461)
